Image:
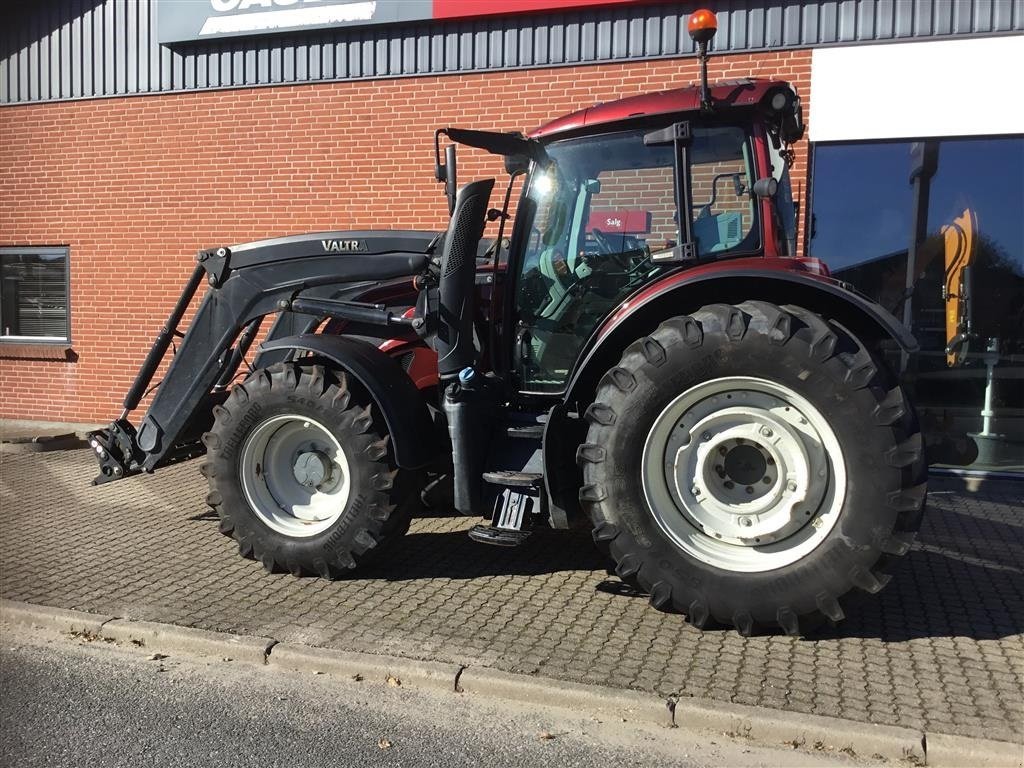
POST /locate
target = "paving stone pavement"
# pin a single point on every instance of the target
(941, 648)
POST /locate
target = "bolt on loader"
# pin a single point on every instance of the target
(640, 351)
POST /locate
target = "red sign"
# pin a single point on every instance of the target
(465, 9)
(627, 221)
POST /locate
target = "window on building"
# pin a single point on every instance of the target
(900, 220)
(34, 295)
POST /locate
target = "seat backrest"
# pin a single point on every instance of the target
(718, 232)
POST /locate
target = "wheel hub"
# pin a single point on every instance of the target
(745, 464)
(312, 468)
(295, 475)
(735, 469)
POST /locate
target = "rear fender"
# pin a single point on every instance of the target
(686, 292)
(404, 410)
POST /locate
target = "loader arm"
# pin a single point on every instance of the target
(304, 278)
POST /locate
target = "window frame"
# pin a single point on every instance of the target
(43, 250)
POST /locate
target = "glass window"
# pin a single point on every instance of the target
(723, 208)
(34, 295)
(594, 218)
(959, 204)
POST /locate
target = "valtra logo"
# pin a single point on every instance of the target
(343, 246)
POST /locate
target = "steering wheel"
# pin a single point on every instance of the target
(607, 249)
(603, 243)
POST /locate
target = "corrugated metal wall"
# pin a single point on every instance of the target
(72, 49)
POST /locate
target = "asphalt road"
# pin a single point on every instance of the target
(78, 703)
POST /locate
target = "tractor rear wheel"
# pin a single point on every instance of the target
(300, 474)
(752, 465)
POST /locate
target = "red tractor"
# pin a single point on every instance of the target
(644, 354)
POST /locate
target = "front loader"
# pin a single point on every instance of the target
(640, 352)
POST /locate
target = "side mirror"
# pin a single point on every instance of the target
(765, 187)
(516, 164)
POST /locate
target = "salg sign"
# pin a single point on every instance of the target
(181, 21)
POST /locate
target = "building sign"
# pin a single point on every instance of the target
(187, 20)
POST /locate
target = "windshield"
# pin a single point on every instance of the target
(597, 213)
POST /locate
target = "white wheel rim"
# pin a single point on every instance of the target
(743, 474)
(294, 475)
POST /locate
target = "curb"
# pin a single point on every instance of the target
(629, 705)
(760, 725)
(947, 750)
(812, 732)
(391, 670)
(168, 637)
(60, 619)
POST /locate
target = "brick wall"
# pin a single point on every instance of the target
(136, 185)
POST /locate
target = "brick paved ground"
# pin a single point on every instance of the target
(941, 648)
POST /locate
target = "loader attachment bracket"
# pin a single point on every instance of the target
(115, 450)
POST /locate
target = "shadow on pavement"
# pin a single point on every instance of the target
(937, 594)
(453, 555)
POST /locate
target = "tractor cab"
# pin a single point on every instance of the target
(601, 218)
(622, 194)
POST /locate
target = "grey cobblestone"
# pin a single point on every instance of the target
(942, 648)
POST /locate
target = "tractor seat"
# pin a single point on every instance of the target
(718, 232)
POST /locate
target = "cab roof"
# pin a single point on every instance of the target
(725, 93)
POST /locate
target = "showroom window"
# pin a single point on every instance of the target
(953, 210)
(34, 295)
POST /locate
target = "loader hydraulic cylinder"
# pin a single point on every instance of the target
(163, 341)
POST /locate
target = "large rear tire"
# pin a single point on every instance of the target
(300, 474)
(752, 465)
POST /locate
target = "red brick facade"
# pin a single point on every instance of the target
(135, 186)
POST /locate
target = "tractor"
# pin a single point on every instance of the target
(640, 351)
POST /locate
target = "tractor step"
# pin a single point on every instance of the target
(527, 431)
(499, 537)
(513, 479)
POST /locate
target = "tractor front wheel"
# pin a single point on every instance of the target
(301, 475)
(752, 465)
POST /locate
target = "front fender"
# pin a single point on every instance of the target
(685, 292)
(404, 410)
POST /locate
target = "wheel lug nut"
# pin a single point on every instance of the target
(705, 436)
(766, 432)
(791, 485)
(723, 450)
(729, 484)
(746, 522)
(750, 489)
(766, 480)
